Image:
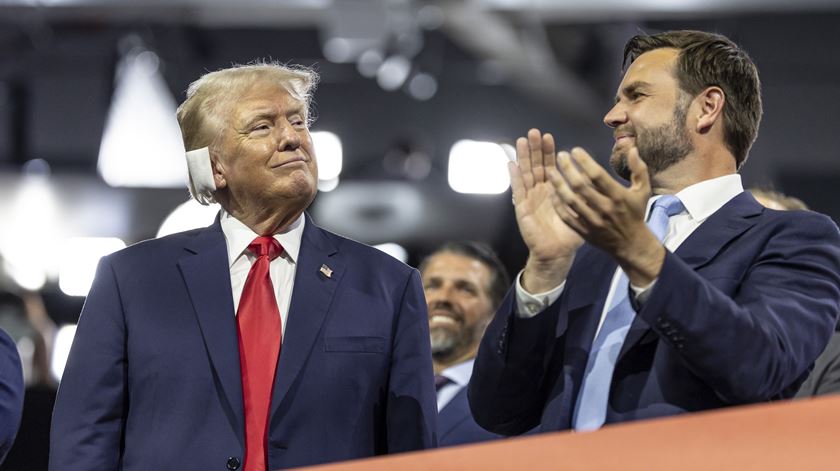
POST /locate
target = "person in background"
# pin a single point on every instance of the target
(260, 342)
(675, 294)
(464, 283)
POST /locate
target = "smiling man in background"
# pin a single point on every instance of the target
(464, 282)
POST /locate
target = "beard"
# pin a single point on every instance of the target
(451, 340)
(659, 147)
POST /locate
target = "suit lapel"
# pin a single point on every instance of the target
(453, 413)
(727, 223)
(207, 276)
(311, 298)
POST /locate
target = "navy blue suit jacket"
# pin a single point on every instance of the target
(153, 378)
(11, 392)
(456, 425)
(737, 315)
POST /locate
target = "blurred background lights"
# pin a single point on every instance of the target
(32, 228)
(328, 185)
(393, 72)
(79, 260)
(188, 215)
(422, 86)
(478, 167)
(395, 250)
(61, 349)
(328, 153)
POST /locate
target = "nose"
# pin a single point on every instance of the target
(288, 138)
(439, 295)
(616, 116)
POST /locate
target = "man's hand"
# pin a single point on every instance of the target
(551, 243)
(607, 214)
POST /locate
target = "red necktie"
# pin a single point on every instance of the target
(260, 333)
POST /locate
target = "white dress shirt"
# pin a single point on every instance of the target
(701, 200)
(282, 269)
(460, 376)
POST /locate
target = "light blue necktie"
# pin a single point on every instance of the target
(591, 409)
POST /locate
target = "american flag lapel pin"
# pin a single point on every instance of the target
(327, 271)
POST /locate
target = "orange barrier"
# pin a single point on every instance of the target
(787, 436)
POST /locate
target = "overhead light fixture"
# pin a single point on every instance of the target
(478, 167)
(141, 145)
(79, 261)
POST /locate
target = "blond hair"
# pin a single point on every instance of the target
(201, 116)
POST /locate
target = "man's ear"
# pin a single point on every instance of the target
(710, 101)
(218, 170)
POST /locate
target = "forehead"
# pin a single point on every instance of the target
(654, 67)
(453, 265)
(262, 97)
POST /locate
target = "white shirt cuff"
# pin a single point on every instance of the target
(529, 305)
(642, 294)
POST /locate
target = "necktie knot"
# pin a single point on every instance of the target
(264, 246)
(663, 208)
(441, 381)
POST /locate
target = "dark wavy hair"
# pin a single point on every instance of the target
(482, 252)
(705, 60)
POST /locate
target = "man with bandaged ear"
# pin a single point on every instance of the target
(260, 342)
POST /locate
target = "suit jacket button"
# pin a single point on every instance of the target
(233, 463)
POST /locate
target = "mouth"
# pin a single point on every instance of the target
(441, 320)
(291, 161)
(623, 138)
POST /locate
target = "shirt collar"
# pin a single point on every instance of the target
(238, 236)
(460, 373)
(702, 199)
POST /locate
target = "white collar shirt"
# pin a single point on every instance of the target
(281, 270)
(459, 375)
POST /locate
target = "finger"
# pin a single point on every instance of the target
(567, 215)
(572, 195)
(639, 176)
(582, 186)
(523, 161)
(535, 143)
(599, 177)
(517, 186)
(549, 157)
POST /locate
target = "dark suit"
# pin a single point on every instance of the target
(153, 378)
(11, 392)
(456, 425)
(737, 315)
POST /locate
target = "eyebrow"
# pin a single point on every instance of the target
(630, 88)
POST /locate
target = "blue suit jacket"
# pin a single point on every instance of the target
(153, 378)
(456, 425)
(737, 315)
(11, 392)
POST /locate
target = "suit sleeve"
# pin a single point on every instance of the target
(11, 393)
(758, 344)
(411, 408)
(89, 415)
(507, 391)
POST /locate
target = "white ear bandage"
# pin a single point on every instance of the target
(202, 184)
